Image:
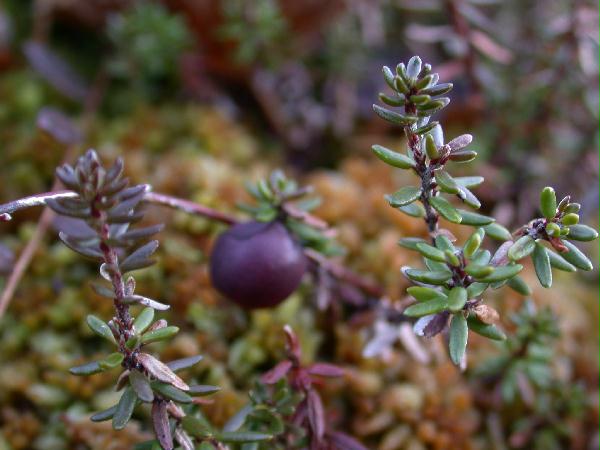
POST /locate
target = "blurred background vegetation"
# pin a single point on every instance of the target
(200, 96)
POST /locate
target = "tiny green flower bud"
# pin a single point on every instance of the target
(553, 229)
(451, 258)
(431, 148)
(548, 203)
(570, 219)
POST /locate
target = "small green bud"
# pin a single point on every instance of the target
(570, 219)
(548, 203)
(553, 229)
(431, 148)
(451, 258)
(572, 208)
(472, 245)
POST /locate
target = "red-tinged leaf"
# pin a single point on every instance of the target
(316, 414)
(161, 371)
(326, 370)
(160, 421)
(342, 441)
(277, 372)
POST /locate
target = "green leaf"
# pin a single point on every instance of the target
(159, 335)
(139, 258)
(457, 297)
(472, 245)
(443, 243)
(576, 256)
(570, 219)
(425, 276)
(451, 258)
(86, 369)
(463, 156)
(410, 242)
(100, 327)
(469, 182)
(541, 262)
(388, 76)
(398, 100)
(431, 252)
(434, 266)
(502, 273)
(459, 332)
(171, 392)
(476, 289)
(518, 285)
(400, 85)
(432, 107)
(419, 99)
(558, 262)
(124, 409)
(393, 158)
(430, 147)
(202, 390)
(488, 331)
(425, 308)
(479, 271)
(104, 415)
(413, 209)
(570, 207)
(439, 89)
(196, 426)
(481, 257)
(143, 320)
(445, 182)
(446, 210)
(184, 363)
(424, 294)
(468, 197)
(497, 231)
(548, 202)
(426, 128)
(141, 386)
(582, 232)
(404, 196)
(111, 361)
(393, 117)
(242, 436)
(523, 247)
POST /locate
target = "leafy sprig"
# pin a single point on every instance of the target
(279, 197)
(449, 291)
(286, 404)
(110, 208)
(559, 222)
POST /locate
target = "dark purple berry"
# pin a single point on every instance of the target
(257, 264)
